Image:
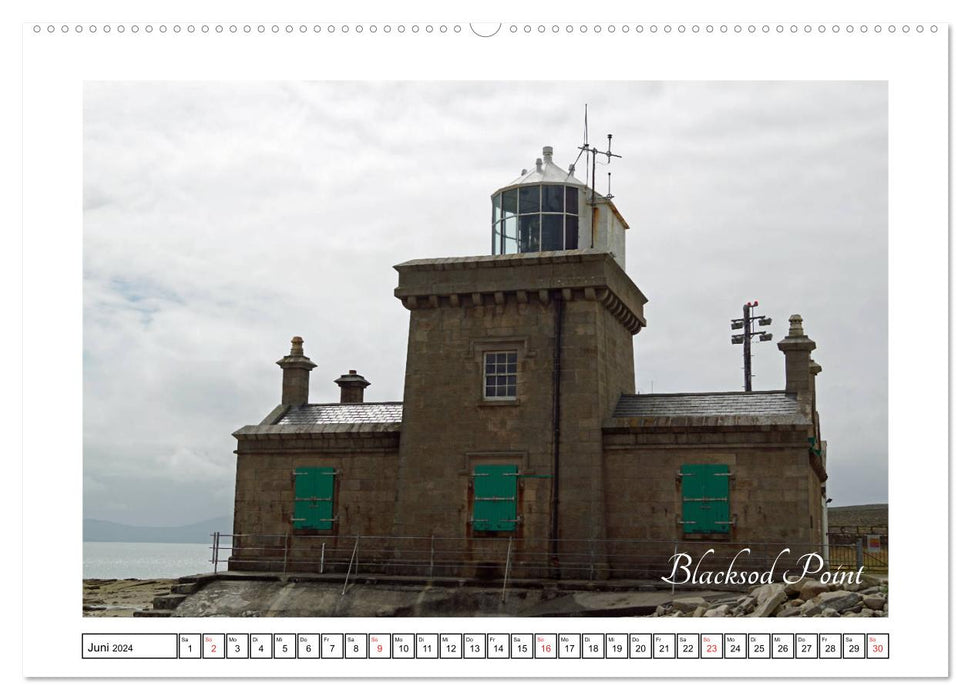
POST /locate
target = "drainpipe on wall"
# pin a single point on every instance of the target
(555, 508)
(825, 530)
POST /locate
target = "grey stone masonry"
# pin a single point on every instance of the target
(507, 280)
(800, 368)
(296, 374)
(599, 470)
(465, 308)
(352, 386)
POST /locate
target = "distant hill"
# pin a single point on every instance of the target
(858, 516)
(107, 531)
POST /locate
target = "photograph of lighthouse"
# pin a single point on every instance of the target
(486, 348)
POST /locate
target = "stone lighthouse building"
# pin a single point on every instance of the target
(520, 446)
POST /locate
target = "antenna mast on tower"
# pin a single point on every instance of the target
(592, 172)
(586, 148)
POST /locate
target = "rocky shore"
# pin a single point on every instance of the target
(121, 597)
(254, 595)
(805, 598)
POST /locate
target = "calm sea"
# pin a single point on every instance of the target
(147, 559)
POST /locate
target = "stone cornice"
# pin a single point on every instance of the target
(503, 281)
(789, 421)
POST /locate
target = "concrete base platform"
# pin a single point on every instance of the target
(272, 596)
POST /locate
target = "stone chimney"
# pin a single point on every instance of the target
(296, 374)
(801, 370)
(814, 369)
(352, 386)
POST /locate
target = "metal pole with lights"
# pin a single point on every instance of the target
(745, 337)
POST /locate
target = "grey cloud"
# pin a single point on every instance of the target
(235, 215)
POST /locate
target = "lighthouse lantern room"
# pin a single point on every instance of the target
(550, 209)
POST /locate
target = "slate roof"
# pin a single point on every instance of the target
(737, 403)
(332, 413)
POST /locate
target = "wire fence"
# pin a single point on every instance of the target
(507, 558)
(856, 547)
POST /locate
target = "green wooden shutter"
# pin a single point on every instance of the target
(313, 501)
(704, 498)
(494, 497)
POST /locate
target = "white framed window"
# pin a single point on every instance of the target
(500, 369)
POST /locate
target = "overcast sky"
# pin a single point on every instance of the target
(220, 219)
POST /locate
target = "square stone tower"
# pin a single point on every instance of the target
(514, 363)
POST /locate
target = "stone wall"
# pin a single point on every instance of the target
(771, 494)
(461, 309)
(365, 463)
(617, 478)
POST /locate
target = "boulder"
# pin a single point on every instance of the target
(768, 599)
(687, 605)
(812, 588)
(838, 600)
(874, 602)
(745, 606)
(717, 611)
(810, 609)
(867, 580)
(793, 589)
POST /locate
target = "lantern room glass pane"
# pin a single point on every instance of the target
(572, 233)
(553, 198)
(496, 209)
(528, 200)
(552, 232)
(510, 242)
(572, 206)
(509, 238)
(497, 238)
(509, 205)
(529, 233)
